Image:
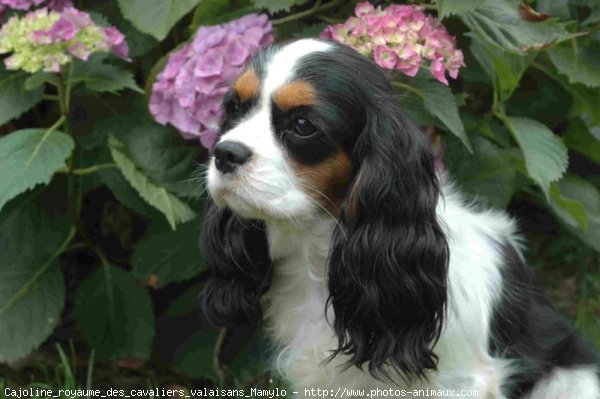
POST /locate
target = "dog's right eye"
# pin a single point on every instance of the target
(303, 127)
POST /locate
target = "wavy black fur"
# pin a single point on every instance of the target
(237, 252)
(388, 269)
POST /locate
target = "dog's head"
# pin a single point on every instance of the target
(313, 129)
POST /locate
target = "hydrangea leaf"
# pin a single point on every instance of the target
(211, 12)
(169, 205)
(98, 76)
(440, 102)
(487, 173)
(449, 7)
(504, 69)
(546, 157)
(13, 100)
(585, 104)
(115, 314)
(580, 139)
(580, 66)
(498, 22)
(274, 6)
(169, 256)
(577, 205)
(160, 152)
(32, 281)
(155, 17)
(30, 157)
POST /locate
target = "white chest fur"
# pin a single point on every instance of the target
(296, 319)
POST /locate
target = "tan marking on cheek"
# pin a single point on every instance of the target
(247, 86)
(330, 177)
(294, 94)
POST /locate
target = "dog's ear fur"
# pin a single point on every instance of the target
(388, 268)
(237, 252)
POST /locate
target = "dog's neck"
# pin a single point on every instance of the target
(298, 294)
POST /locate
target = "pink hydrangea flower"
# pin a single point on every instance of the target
(189, 91)
(56, 5)
(405, 30)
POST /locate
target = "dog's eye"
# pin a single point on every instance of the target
(303, 127)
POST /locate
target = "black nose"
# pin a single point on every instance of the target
(229, 155)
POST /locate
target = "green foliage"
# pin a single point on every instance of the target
(168, 256)
(32, 290)
(273, 6)
(577, 205)
(98, 76)
(439, 101)
(578, 65)
(155, 17)
(174, 210)
(545, 154)
(212, 12)
(449, 7)
(504, 69)
(30, 157)
(487, 173)
(13, 101)
(498, 23)
(115, 314)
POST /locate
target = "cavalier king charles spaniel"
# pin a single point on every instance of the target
(327, 209)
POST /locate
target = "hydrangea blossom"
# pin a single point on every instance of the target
(57, 5)
(44, 39)
(400, 37)
(189, 91)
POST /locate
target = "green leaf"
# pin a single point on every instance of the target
(274, 6)
(487, 173)
(498, 22)
(30, 157)
(212, 12)
(42, 302)
(580, 65)
(38, 79)
(586, 102)
(574, 208)
(32, 290)
(194, 356)
(122, 190)
(577, 205)
(155, 17)
(588, 305)
(439, 101)
(13, 100)
(580, 139)
(98, 76)
(449, 7)
(115, 314)
(169, 256)
(545, 154)
(160, 152)
(504, 69)
(174, 210)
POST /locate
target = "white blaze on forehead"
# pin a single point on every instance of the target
(280, 68)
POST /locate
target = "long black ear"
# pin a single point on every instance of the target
(388, 268)
(237, 252)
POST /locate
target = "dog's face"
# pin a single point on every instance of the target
(290, 122)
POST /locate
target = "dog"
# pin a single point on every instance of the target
(325, 205)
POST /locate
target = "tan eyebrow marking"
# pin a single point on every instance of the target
(247, 86)
(294, 94)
